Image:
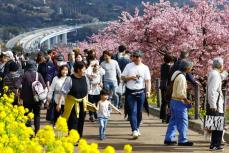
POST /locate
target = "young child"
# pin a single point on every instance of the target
(104, 112)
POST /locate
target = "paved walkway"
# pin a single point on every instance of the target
(151, 140)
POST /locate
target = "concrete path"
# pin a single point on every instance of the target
(151, 140)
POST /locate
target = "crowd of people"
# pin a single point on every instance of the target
(71, 85)
(175, 100)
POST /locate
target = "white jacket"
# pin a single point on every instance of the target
(215, 79)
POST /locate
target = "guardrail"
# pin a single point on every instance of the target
(198, 104)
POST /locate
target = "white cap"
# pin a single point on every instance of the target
(8, 54)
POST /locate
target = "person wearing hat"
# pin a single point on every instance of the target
(8, 57)
(13, 81)
(26, 95)
(138, 86)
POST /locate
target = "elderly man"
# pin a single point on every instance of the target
(178, 105)
(138, 85)
(215, 104)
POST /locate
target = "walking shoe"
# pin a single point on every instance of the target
(170, 143)
(188, 143)
(135, 134)
(213, 148)
(91, 119)
(139, 134)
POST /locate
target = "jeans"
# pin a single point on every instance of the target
(179, 121)
(135, 104)
(112, 87)
(102, 127)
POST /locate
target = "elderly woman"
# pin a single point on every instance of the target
(215, 104)
(178, 105)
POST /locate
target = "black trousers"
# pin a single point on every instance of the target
(216, 138)
(77, 123)
(94, 99)
(35, 108)
(57, 114)
(164, 104)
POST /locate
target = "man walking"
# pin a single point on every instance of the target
(138, 85)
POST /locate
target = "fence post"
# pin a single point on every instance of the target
(224, 90)
(158, 92)
(197, 101)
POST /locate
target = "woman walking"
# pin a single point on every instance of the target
(55, 89)
(75, 89)
(215, 102)
(27, 95)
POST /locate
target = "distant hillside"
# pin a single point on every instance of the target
(19, 15)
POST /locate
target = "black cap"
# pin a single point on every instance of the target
(59, 57)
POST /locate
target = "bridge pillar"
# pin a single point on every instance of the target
(55, 40)
(48, 43)
(64, 38)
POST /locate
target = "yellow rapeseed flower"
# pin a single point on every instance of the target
(109, 149)
(73, 137)
(128, 148)
(30, 116)
(61, 125)
(33, 147)
(5, 88)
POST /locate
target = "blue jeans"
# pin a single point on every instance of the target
(102, 127)
(179, 121)
(135, 104)
(112, 87)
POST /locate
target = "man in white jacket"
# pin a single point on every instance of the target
(215, 105)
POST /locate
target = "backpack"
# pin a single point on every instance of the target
(169, 90)
(39, 93)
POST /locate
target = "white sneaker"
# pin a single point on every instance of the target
(139, 134)
(135, 134)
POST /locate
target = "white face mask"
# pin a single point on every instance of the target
(59, 63)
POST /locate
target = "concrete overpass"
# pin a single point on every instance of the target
(49, 37)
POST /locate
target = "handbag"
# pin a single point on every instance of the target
(214, 120)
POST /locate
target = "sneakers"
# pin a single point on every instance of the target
(139, 134)
(213, 148)
(188, 143)
(170, 143)
(135, 134)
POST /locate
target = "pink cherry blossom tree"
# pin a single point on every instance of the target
(202, 29)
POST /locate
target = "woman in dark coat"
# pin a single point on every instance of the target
(165, 70)
(27, 94)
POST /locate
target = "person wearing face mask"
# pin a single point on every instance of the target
(55, 89)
